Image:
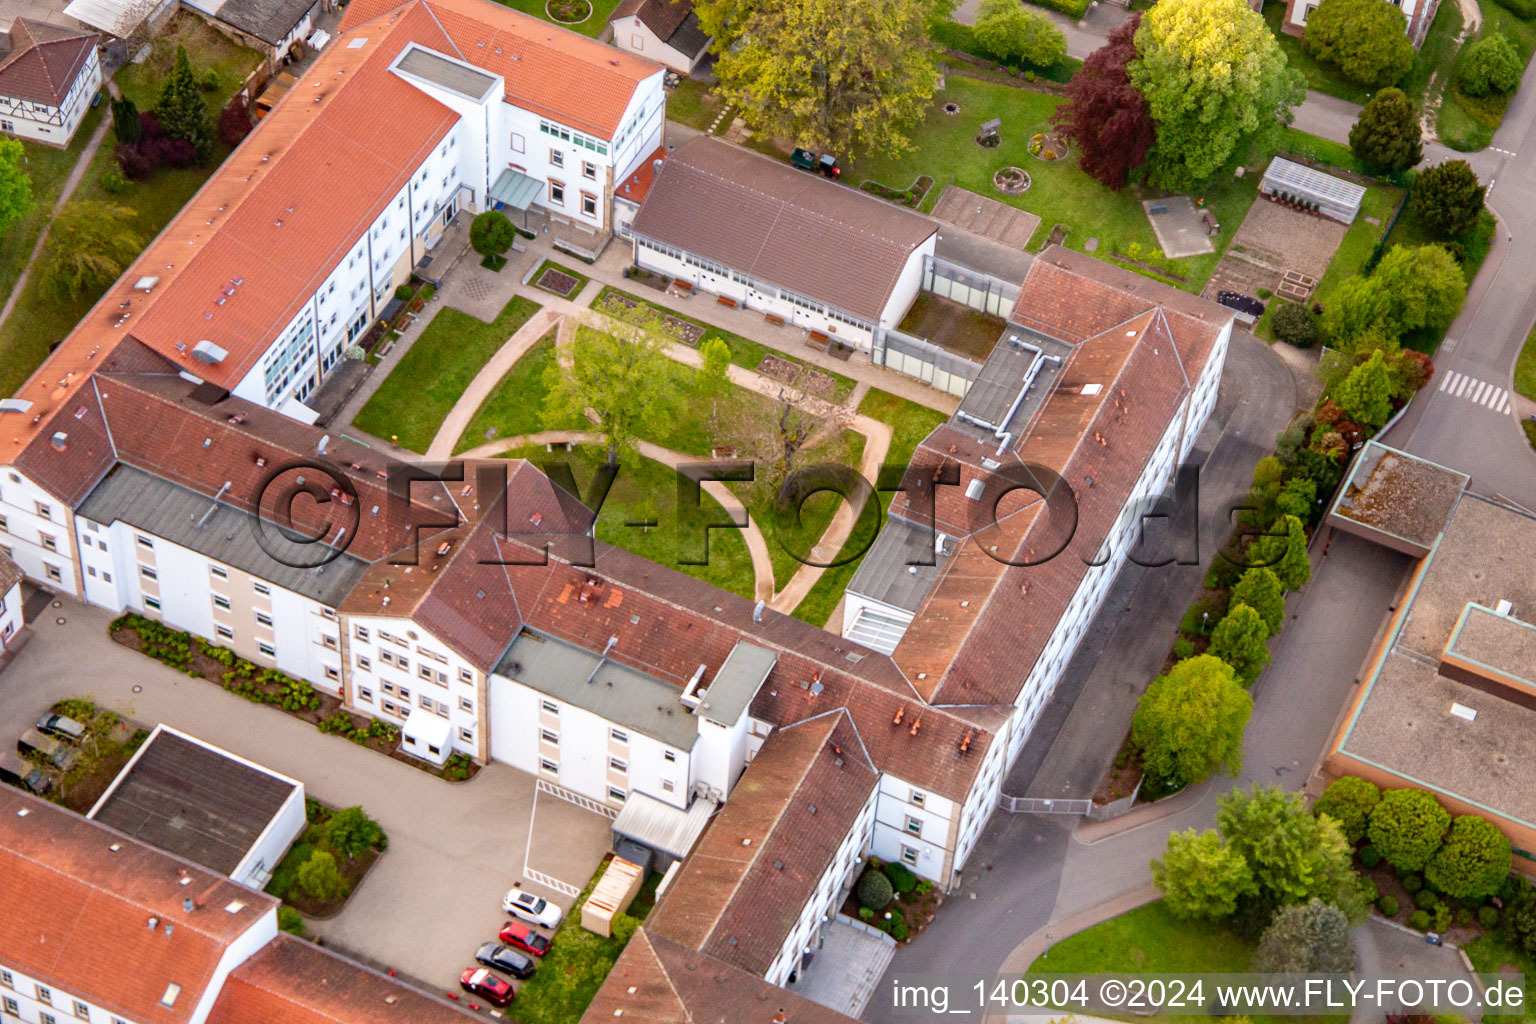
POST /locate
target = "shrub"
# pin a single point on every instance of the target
(902, 878)
(312, 809)
(1349, 801)
(1413, 883)
(352, 833)
(114, 183)
(624, 927)
(1419, 920)
(209, 80)
(1183, 648)
(291, 921)
(865, 914)
(1425, 900)
(1488, 917)
(1369, 856)
(1490, 64)
(874, 890)
(1387, 905)
(1294, 324)
(339, 722)
(234, 120)
(491, 233)
(457, 767)
(405, 293)
(894, 923)
(1407, 827)
(1443, 918)
(319, 877)
(1474, 861)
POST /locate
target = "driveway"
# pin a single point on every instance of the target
(454, 849)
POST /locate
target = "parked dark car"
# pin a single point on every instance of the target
(515, 933)
(62, 726)
(825, 165)
(16, 772)
(60, 754)
(493, 989)
(505, 958)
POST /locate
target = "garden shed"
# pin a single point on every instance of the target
(1335, 197)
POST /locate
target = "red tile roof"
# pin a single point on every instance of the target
(78, 914)
(291, 981)
(39, 62)
(637, 185)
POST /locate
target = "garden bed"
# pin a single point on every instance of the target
(562, 281)
(285, 883)
(1123, 777)
(202, 660)
(910, 910)
(625, 307)
(658, 282)
(568, 12)
(911, 196)
(799, 375)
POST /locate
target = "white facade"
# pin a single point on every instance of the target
(913, 827)
(128, 569)
(35, 533)
(793, 308)
(11, 621)
(54, 125)
(635, 36)
(397, 669)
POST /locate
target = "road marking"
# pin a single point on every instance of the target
(1506, 152)
(1449, 379)
(1478, 392)
(1462, 386)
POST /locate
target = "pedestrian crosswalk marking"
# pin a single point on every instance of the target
(1478, 392)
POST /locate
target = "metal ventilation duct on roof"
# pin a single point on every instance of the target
(207, 352)
(15, 405)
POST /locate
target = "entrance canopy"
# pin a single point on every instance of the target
(516, 189)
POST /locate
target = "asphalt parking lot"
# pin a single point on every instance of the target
(454, 848)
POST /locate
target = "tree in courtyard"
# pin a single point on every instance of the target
(319, 878)
(15, 186)
(827, 74)
(352, 833)
(1426, 284)
(1294, 856)
(1285, 554)
(1105, 115)
(1449, 198)
(714, 379)
(1260, 590)
(125, 121)
(1200, 876)
(1490, 64)
(1313, 937)
(621, 375)
(1473, 862)
(181, 111)
(1365, 394)
(1367, 40)
(1010, 31)
(1214, 77)
(491, 234)
(1297, 498)
(1241, 639)
(1294, 324)
(89, 246)
(1349, 801)
(235, 120)
(1407, 827)
(1358, 315)
(1386, 136)
(1190, 722)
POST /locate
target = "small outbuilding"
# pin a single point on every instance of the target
(1335, 197)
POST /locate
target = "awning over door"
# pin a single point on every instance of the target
(516, 189)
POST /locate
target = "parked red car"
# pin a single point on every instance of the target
(493, 988)
(515, 933)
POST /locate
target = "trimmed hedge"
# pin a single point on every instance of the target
(875, 890)
(1077, 8)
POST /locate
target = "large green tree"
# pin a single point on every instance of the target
(1294, 855)
(1407, 827)
(15, 186)
(1190, 722)
(1473, 862)
(1241, 639)
(1310, 938)
(1358, 313)
(319, 876)
(1366, 393)
(1349, 801)
(1449, 198)
(1367, 40)
(1490, 64)
(181, 111)
(619, 374)
(89, 246)
(1260, 590)
(491, 234)
(1285, 555)
(1214, 77)
(1010, 31)
(1425, 284)
(1387, 135)
(824, 73)
(1200, 876)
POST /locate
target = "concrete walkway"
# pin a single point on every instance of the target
(70, 184)
(474, 396)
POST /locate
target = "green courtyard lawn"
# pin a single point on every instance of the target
(593, 25)
(645, 490)
(1147, 940)
(516, 407)
(1320, 77)
(413, 400)
(1525, 367)
(1494, 950)
(910, 423)
(694, 104)
(40, 318)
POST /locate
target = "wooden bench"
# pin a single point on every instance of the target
(774, 319)
(819, 341)
(726, 300)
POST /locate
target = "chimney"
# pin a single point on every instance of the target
(60, 441)
(899, 712)
(917, 723)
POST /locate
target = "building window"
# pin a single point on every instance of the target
(7, 980)
(549, 767)
(363, 693)
(220, 601)
(219, 571)
(589, 204)
(914, 825)
(909, 855)
(619, 735)
(266, 649)
(81, 1010)
(616, 794)
(332, 672)
(549, 736)
(405, 694)
(426, 702)
(389, 706)
(618, 764)
(557, 193)
(468, 736)
(90, 571)
(152, 602)
(44, 995)
(667, 785)
(465, 704)
(387, 657)
(425, 671)
(263, 619)
(5, 526)
(49, 542)
(46, 511)
(466, 676)
(387, 686)
(556, 158)
(918, 797)
(328, 641)
(517, 143)
(589, 170)
(147, 573)
(52, 572)
(362, 632)
(261, 588)
(670, 755)
(11, 1007)
(403, 663)
(363, 662)
(550, 706)
(225, 633)
(145, 542)
(46, 1018)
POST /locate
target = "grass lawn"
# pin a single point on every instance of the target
(508, 411)
(647, 491)
(1525, 367)
(538, 274)
(693, 103)
(1410, 230)
(910, 423)
(1437, 53)
(1361, 238)
(745, 352)
(40, 319)
(1320, 77)
(1490, 952)
(593, 26)
(419, 392)
(1467, 123)
(569, 976)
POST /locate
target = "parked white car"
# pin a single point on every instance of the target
(531, 908)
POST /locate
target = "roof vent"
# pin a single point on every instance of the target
(171, 992)
(1092, 389)
(1463, 712)
(757, 611)
(325, 440)
(145, 284)
(15, 405)
(1503, 608)
(206, 351)
(234, 907)
(59, 440)
(811, 808)
(187, 905)
(115, 847)
(779, 864)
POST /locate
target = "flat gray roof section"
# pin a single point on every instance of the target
(1499, 642)
(1400, 495)
(615, 691)
(996, 388)
(737, 682)
(889, 573)
(661, 826)
(155, 505)
(446, 74)
(193, 800)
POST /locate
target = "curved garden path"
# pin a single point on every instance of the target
(877, 442)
